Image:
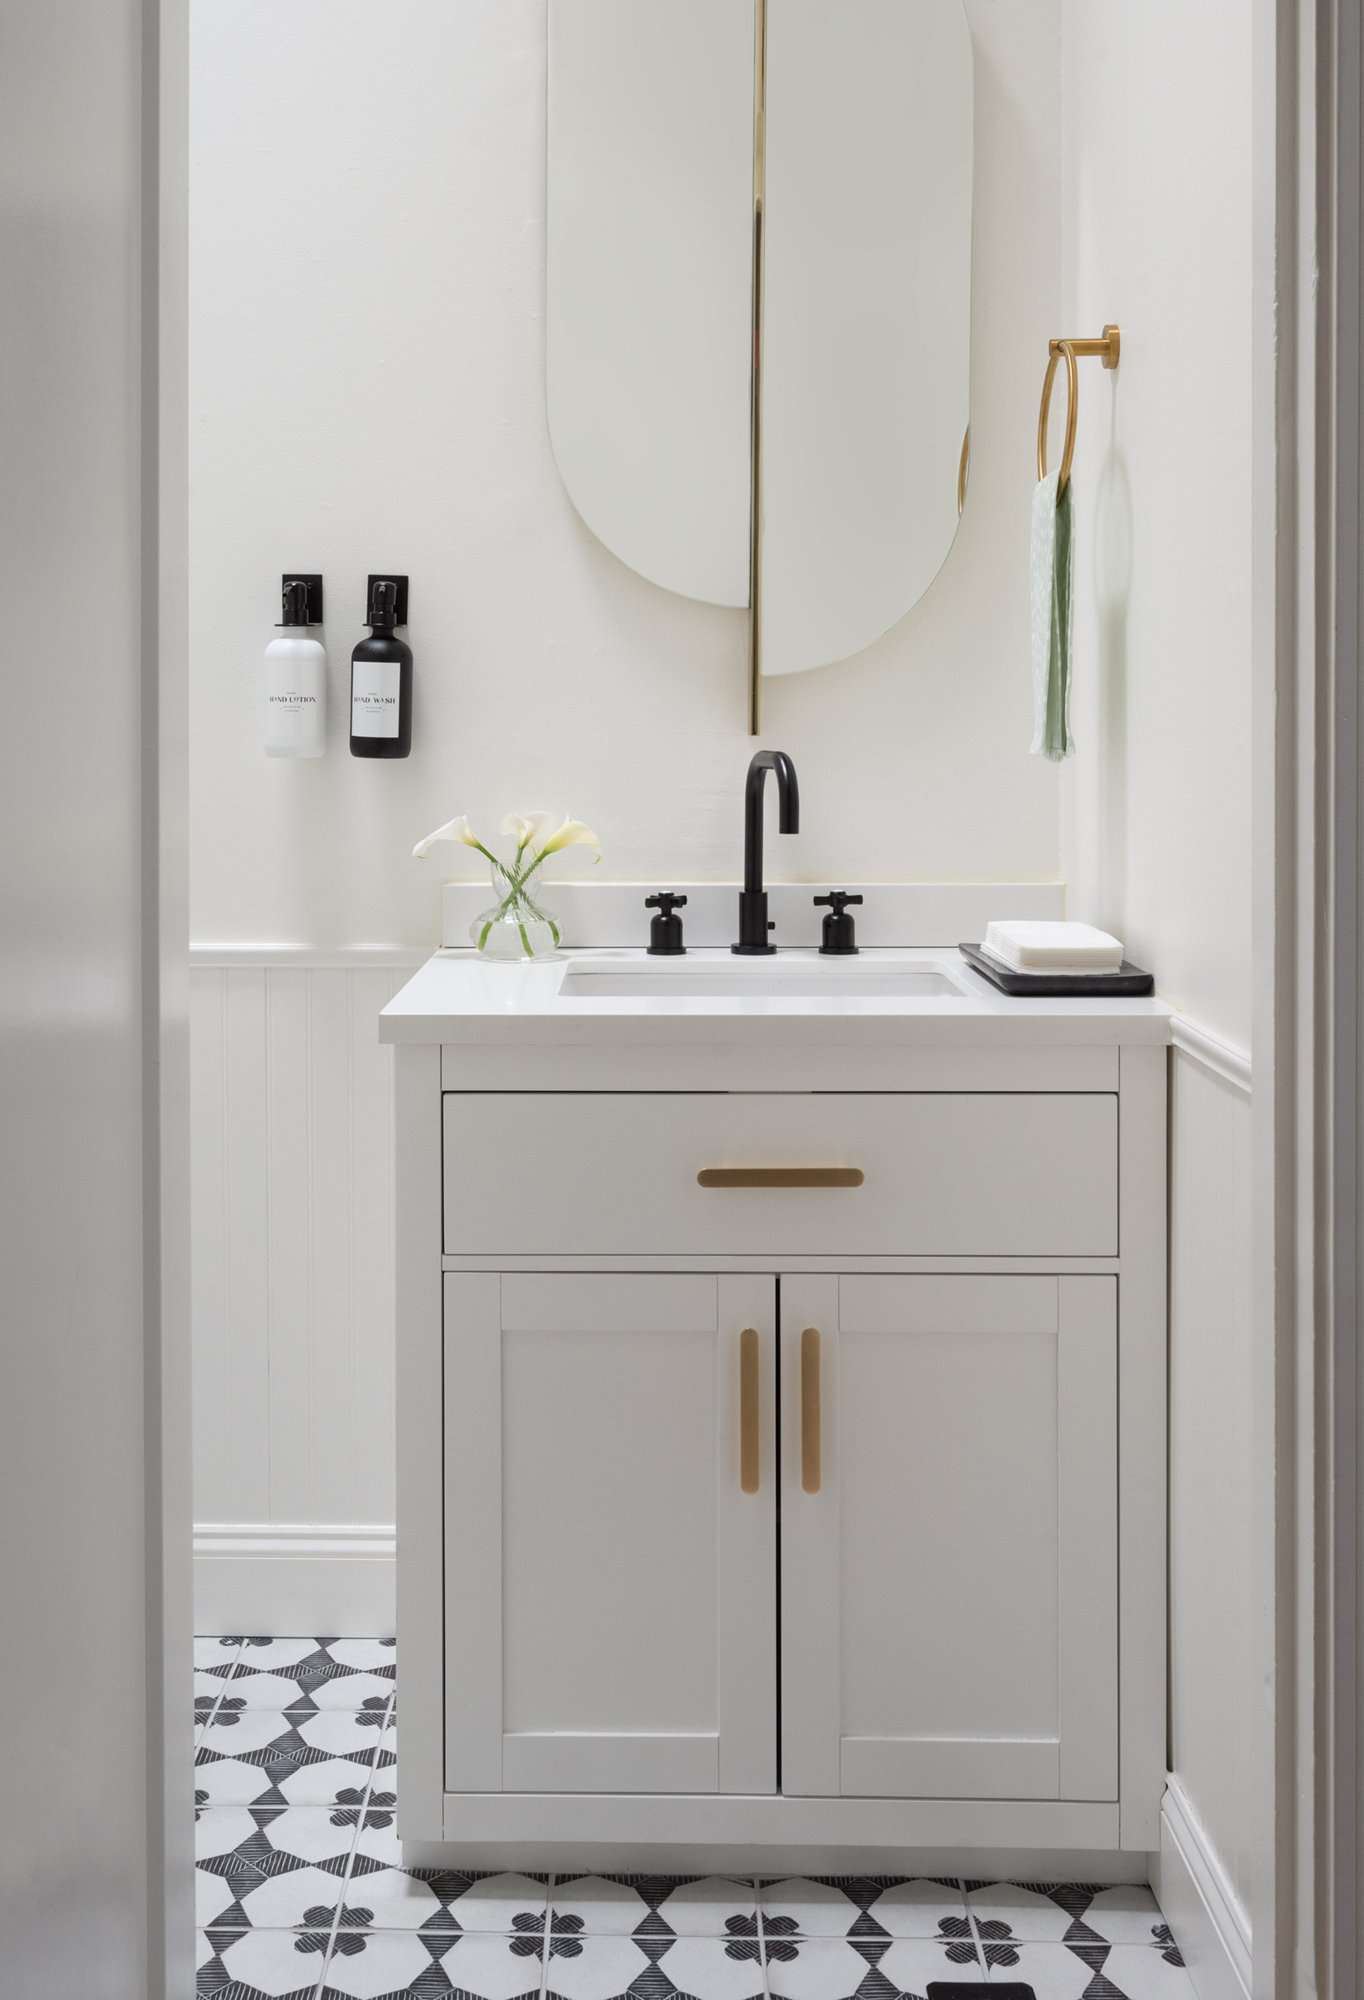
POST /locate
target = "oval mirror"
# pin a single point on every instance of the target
(649, 267)
(759, 300)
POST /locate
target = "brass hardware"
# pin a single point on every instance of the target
(755, 405)
(1059, 348)
(748, 1410)
(963, 470)
(1108, 349)
(810, 1468)
(780, 1177)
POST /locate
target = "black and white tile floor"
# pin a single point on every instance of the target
(302, 1894)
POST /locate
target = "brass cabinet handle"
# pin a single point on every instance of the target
(809, 1411)
(780, 1177)
(748, 1410)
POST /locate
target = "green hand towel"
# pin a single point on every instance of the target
(1052, 572)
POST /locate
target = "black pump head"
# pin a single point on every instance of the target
(383, 605)
(301, 598)
(385, 600)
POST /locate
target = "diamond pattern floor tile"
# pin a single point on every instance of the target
(314, 1673)
(658, 1906)
(211, 1652)
(865, 1968)
(1139, 1973)
(299, 1757)
(215, 1664)
(1089, 1971)
(270, 1868)
(258, 1689)
(383, 1894)
(602, 1968)
(835, 1906)
(259, 1965)
(302, 1893)
(1064, 1912)
(367, 1964)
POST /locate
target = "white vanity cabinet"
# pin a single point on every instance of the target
(781, 1457)
(610, 1588)
(949, 1537)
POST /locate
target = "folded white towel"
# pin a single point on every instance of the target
(1054, 947)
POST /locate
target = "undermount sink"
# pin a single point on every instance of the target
(757, 979)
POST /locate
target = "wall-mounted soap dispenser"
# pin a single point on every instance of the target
(293, 708)
(381, 676)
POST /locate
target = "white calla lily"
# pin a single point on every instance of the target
(528, 830)
(518, 916)
(457, 828)
(573, 833)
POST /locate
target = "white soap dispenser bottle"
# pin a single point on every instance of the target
(293, 709)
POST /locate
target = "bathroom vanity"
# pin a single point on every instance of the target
(781, 1410)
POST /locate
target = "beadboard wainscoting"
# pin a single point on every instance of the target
(1206, 1859)
(292, 1215)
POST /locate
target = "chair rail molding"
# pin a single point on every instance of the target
(1221, 1058)
(267, 955)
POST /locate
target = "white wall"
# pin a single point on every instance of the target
(1157, 202)
(1157, 236)
(367, 388)
(87, 1581)
(367, 378)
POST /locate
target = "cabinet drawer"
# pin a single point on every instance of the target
(943, 1174)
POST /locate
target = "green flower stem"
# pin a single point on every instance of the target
(516, 898)
(517, 880)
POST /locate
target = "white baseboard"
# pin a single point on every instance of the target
(337, 1582)
(1199, 1903)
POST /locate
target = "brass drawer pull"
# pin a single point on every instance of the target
(810, 1469)
(780, 1177)
(748, 1410)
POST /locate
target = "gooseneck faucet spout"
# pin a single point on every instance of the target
(753, 923)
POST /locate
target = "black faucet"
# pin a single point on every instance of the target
(753, 923)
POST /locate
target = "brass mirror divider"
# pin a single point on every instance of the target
(1108, 349)
(755, 410)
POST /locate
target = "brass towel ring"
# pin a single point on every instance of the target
(1059, 348)
(1107, 348)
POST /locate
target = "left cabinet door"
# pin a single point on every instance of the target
(610, 1533)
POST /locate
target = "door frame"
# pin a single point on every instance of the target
(165, 967)
(1337, 506)
(1308, 889)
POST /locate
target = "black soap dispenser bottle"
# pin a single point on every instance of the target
(381, 676)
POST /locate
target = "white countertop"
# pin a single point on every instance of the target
(456, 997)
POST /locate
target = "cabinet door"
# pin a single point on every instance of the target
(610, 1584)
(949, 1591)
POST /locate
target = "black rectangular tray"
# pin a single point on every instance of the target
(1129, 982)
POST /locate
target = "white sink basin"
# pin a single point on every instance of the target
(795, 978)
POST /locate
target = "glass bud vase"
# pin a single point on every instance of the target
(516, 927)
